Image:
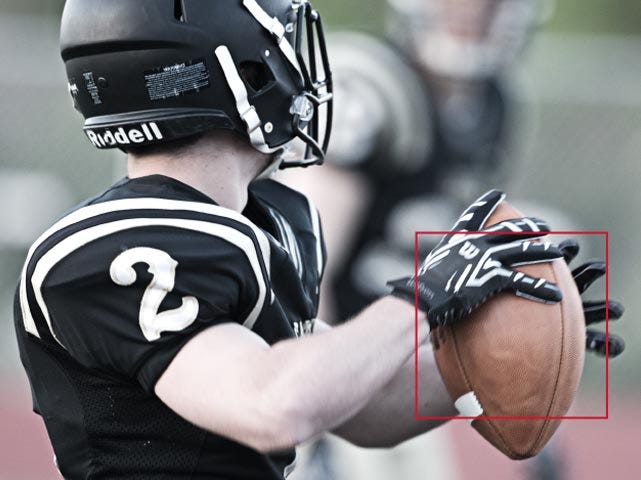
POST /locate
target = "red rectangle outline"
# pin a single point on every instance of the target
(487, 417)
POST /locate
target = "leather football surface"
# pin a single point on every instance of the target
(514, 357)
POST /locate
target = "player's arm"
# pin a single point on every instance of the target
(388, 418)
(229, 381)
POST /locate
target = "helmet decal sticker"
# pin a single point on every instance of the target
(92, 88)
(176, 80)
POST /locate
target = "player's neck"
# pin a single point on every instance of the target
(222, 171)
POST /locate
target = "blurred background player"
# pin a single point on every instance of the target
(435, 122)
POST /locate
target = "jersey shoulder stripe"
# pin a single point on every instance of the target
(288, 238)
(293, 210)
(235, 229)
(316, 227)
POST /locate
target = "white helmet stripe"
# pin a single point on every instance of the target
(246, 111)
(273, 26)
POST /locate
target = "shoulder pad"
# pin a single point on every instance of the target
(384, 104)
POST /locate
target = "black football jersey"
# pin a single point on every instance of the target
(112, 292)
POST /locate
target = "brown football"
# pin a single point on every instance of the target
(514, 357)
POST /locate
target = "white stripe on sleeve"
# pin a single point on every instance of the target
(92, 211)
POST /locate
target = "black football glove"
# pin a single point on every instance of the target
(465, 269)
(595, 312)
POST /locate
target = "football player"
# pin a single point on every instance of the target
(168, 324)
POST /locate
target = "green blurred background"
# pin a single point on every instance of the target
(577, 149)
(592, 16)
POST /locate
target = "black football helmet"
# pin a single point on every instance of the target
(150, 71)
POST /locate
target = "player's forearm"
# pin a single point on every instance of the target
(358, 359)
(388, 418)
(229, 381)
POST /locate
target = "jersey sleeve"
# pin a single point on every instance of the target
(127, 302)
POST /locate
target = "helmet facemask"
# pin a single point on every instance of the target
(313, 110)
(466, 39)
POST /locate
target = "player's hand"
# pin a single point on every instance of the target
(595, 312)
(465, 269)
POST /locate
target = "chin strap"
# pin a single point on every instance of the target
(247, 112)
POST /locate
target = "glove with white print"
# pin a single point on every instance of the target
(469, 265)
(595, 311)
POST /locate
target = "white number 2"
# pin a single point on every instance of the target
(163, 269)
